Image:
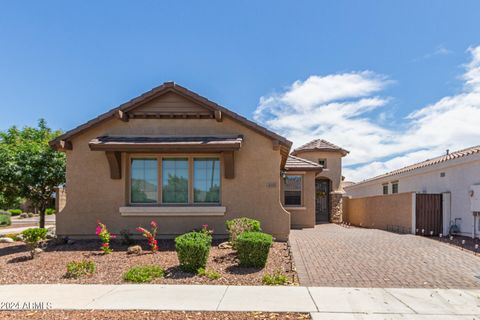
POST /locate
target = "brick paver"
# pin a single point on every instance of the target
(332, 255)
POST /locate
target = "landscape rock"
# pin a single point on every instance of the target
(134, 249)
(37, 251)
(6, 240)
(70, 241)
(225, 245)
(51, 234)
(23, 215)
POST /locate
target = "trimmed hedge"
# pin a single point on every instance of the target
(49, 211)
(237, 226)
(252, 249)
(192, 250)
(15, 212)
(5, 220)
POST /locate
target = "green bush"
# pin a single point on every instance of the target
(238, 226)
(5, 220)
(192, 250)
(209, 273)
(32, 238)
(15, 212)
(252, 248)
(77, 269)
(49, 211)
(142, 274)
(276, 279)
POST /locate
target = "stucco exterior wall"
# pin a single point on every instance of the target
(93, 195)
(333, 171)
(304, 215)
(380, 211)
(460, 175)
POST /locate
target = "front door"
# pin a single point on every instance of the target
(322, 194)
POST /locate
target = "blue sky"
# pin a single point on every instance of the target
(70, 61)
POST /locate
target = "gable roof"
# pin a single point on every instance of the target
(320, 145)
(122, 110)
(427, 163)
(300, 164)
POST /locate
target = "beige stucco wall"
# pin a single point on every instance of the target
(333, 171)
(304, 215)
(93, 195)
(380, 211)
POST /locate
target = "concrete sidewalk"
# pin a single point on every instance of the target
(322, 302)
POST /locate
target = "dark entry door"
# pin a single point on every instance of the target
(322, 194)
(428, 215)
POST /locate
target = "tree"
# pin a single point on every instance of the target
(33, 170)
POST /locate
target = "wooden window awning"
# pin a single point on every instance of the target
(115, 145)
(167, 143)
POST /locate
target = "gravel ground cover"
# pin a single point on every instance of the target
(50, 266)
(149, 315)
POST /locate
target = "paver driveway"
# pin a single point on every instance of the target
(332, 255)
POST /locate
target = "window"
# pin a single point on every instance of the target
(395, 187)
(385, 188)
(144, 181)
(175, 180)
(322, 162)
(206, 180)
(293, 191)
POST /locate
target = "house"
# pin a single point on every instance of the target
(454, 177)
(184, 161)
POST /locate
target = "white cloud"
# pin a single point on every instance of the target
(338, 108)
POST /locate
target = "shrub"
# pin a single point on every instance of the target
(5, 220)
(77, 269)
(15, 212)
(209, 273)
(32, 238)
(252, 248)
(275, 279)
(49, 211)
(192, 250)
(237, 226)
(141, 274)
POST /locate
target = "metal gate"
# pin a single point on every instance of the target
(428, 213)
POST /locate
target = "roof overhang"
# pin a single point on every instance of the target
(166, 143)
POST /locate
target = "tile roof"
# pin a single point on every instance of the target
(429, 162)
(320, 145)
(300, 164)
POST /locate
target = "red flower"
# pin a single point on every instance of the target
(104, 244)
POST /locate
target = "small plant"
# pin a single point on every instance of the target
(209, 273)
(252, 249)
(105, 237)
(192, 250)
(77, 269)
(275, 279)
(13, 236)
(32, 238)
(150, 235)
(15, 212)
(142, 274)
(5, 219)
(126, 237)
(49, 211)
(238, 226)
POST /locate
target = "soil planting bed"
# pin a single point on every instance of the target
(50, 266)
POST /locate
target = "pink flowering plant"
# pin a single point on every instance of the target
(206, 230)
(150, 235)
(105, 236)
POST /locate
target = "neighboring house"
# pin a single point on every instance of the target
(173, 156)
(455, 175)
(327, 183)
